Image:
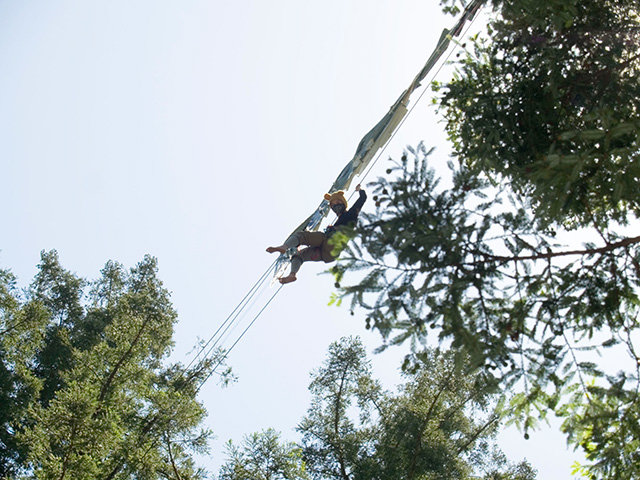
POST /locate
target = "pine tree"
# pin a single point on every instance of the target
(440, 424)
(94, 395)
(263, 456)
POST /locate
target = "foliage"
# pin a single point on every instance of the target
(469, 264)
(262, 456)
(439, 425)
(519, 471)
(549, 104)
(332, 444)
(87, 392)
(21, 332)
(453, 7)
(526, 261)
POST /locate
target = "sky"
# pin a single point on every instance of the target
(201, 132)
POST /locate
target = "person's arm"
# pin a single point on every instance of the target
(360, 202)
(351, 215)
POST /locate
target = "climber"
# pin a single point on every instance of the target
(319, 245)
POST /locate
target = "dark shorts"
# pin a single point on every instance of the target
(319, 248)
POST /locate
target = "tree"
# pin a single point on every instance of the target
(439, 425)
(549, 103)
(262, 456)
(92, 396)
(469, 264)
(21, 332)
(332, 444)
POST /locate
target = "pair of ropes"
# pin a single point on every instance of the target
(214, 344)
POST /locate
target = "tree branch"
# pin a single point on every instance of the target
(474, 437)
(109, 381)
(546, 256)
(173, 463)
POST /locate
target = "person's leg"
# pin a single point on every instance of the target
(310, 254)
(312, 239)
(296, 263)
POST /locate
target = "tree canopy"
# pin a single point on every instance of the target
(263, 456)
(86, 389)
(440, 424)
(549, 101)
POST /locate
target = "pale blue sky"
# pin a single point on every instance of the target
(201, 132)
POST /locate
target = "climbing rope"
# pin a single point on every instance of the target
(226, 354)
(215, 339)
(472, 9)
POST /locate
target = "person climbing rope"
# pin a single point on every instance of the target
(319, 245)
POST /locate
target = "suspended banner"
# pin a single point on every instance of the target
(379, 135)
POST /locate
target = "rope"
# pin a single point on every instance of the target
(243, 303)
(213, 370)
(404, 119)
(233, 316)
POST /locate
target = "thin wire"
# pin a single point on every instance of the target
(243, 303)
(259, 283)
(226, 355)
(248, 306)
(247, 297)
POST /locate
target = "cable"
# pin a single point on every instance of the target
(236, 311)
(249, 296)
(243, 302)
(232, 318)
(241, 306)
(213, 370)
(415, 104)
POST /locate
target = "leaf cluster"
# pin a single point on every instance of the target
(549, 103)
